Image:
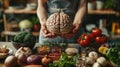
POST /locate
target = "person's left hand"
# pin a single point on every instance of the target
(46, 33)
(73, 33)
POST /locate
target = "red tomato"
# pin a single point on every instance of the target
(101, 39)
(84, 40)
(92, 37)
(96, 32)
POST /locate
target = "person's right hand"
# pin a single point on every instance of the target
(46, 33)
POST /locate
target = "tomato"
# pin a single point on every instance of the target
(101, 39)
(84, 40)
(96, 32)
(92, 37)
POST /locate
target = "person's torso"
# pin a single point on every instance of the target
(68, 6)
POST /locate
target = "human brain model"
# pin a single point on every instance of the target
(59, 23)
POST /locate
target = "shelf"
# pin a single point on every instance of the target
(20, 11)
(14, 33)
(103, 12)
(99, 12)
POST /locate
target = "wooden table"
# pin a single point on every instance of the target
(10, 46)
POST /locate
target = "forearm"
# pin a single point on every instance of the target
(80, 13)
(41, 12)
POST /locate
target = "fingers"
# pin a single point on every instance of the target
(46, 33)
(44, 30)
(49, 35)
(75, 28)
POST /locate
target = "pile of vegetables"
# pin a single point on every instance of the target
(25, 37)
(64, 61)
(24, 57)
(113, 54)
(95, 59)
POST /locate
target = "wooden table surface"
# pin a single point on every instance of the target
(10, 46)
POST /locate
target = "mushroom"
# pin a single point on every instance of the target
(93, 55)
(102, 61)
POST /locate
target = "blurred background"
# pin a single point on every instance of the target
(14, 14)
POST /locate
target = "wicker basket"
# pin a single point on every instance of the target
(18, 45)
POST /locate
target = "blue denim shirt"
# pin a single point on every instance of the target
(69, 7)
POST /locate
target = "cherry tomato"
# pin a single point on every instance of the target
(101, 39)
(84, 40)
(96, 32)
